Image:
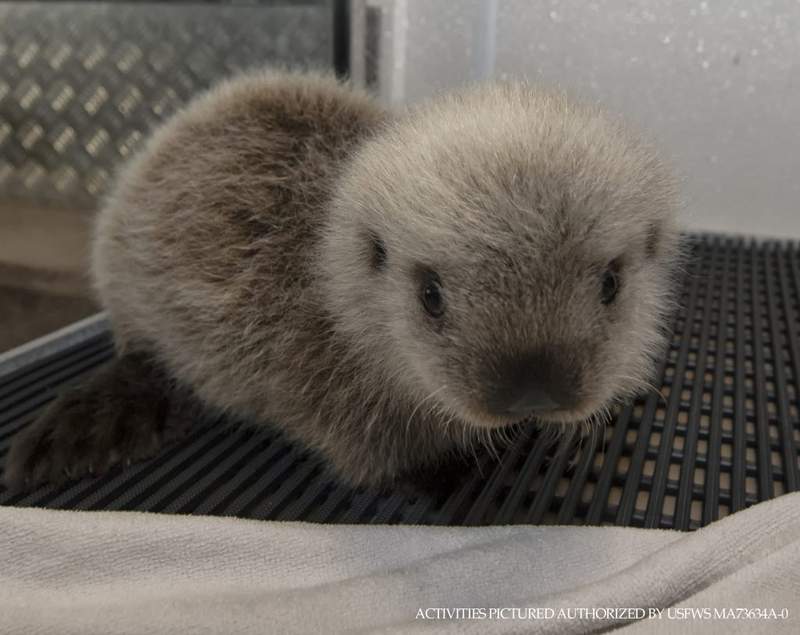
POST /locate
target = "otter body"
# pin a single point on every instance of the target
(383, 288)
(207, 256)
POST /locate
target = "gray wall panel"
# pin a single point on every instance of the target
(717, 83)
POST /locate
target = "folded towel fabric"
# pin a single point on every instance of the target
(128, 572)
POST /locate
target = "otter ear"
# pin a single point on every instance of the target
(376, 251)
(652, 240)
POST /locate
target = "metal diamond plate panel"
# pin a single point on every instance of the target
(82, 83)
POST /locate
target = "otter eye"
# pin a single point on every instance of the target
(432, 295)
(610, 284)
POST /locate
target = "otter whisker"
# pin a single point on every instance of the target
(651, 388)
(416, 409)
(489, 444)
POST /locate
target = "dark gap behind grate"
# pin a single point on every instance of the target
(722, 433)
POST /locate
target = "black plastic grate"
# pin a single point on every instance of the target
(722, 433)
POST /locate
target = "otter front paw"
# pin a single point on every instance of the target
(120, 416)
(71, 440)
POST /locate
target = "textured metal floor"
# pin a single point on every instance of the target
(723, 433)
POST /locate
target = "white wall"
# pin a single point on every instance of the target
(716, 83)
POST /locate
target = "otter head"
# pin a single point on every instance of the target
(504, 254)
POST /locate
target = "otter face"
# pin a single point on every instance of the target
(507, 255)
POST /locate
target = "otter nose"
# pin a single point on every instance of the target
(531, 383)
(534, 399)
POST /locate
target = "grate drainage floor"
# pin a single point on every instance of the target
(722, 433)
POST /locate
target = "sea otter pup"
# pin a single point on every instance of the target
(385, 288)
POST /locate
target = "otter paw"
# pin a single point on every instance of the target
(76, 437)
(122, 415)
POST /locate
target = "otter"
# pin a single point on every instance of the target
(386, 288)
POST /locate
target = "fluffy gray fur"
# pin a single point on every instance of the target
(238, 249)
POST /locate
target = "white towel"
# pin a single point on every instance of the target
(125, 572)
